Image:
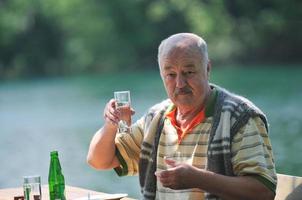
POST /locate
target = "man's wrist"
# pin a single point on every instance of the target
(202, 178)
(110, 127)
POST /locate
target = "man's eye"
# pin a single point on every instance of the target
(189, 72)
(171, 75)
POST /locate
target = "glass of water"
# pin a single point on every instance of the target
(123, 104)
(32, 187)
(179, 158)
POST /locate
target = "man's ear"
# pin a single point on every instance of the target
(209, 67)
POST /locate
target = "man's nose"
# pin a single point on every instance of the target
(181, 81)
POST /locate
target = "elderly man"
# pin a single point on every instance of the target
(222, 136)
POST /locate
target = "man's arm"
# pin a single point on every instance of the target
(101, 154)
(185, 176)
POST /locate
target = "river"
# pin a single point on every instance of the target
(38, 116)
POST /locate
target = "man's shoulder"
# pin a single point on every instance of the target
(236, 102)
(239, 107)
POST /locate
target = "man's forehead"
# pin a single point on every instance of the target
(169, 66)
(184, 55)
(181, 50)
(180, 45)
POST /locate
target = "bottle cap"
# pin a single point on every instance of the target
(54, 153)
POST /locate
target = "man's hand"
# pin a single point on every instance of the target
(184, 176)
(112, 115)
(101, 154)
(179, 176)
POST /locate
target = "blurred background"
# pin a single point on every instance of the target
(60, 62)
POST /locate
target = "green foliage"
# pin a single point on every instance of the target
(42, 38)
(30, 42)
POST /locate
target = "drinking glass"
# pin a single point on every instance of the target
(179, 158)
(32, 187)
(122, 103)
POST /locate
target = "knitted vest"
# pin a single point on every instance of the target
(231, 113)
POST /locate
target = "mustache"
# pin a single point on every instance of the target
(182, 91)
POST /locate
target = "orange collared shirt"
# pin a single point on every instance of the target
(182, 132)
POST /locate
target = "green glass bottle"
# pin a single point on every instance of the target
(56, 181)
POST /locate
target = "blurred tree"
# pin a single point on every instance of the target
(32, 43)
(39, 47)
(269, 31)
(64, 37)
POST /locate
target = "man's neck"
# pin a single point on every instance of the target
(185, 114)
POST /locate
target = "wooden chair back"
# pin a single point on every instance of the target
(289, 187)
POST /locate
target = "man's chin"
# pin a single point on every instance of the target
(184, 100)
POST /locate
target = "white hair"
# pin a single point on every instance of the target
(169, 43)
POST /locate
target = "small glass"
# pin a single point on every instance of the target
(32, 187)
(123, 104)
(179, 158)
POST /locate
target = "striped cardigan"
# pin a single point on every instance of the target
(230, 114)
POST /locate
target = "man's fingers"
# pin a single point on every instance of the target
(157, 174)
(110, 113)
(165, 183)
(166, 178)
(112, 103)
(164, 174)
(114, 112)
(111, 118)
(132, 111)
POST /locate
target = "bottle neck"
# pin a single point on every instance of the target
(55, 170)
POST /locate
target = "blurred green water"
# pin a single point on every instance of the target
(38, 116)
